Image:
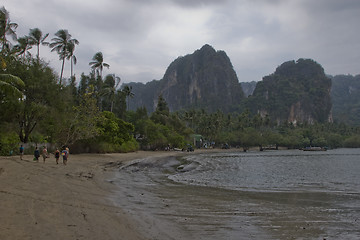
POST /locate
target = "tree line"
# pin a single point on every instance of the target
(91, 114)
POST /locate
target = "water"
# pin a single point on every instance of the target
(254, 195)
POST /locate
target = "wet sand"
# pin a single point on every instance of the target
(48, 201)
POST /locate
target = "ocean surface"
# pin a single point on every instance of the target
(286, 194)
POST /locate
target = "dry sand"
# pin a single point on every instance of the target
(47, 201)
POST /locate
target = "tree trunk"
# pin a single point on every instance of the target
(62, 70)
(38, 53)
(71, 72)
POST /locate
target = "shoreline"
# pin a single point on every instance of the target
(49, 201)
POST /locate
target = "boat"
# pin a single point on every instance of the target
(314, 149)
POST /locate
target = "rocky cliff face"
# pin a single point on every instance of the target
(297, 92)
(345, 95)
(248, 87)
(205, 79)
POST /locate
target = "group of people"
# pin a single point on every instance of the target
(44, 153)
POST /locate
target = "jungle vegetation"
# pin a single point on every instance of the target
(91, 114)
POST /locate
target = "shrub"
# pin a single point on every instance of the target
(352, 141)
(129, 146)
(9, 143)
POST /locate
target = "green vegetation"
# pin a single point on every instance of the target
(245, 130)
(296, 91)
(93, 113)
(89, 116)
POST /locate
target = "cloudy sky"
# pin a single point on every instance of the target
(140, 38)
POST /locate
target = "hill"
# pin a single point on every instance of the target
(345, 95)
(296, 92)
(204, 79)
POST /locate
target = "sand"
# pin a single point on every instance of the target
(49, 201)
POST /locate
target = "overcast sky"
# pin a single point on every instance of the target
(140, 38)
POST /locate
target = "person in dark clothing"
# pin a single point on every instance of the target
(21, 150)
(57, 156)
(36, 154)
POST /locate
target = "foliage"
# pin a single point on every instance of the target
(80, 123)
(296, 92)
(94, 114)
(10, 85)
(98, 63)
(129, 146)
(113, 130)
(8, 143)
(7, 28)
(64, 45)
(352, 141)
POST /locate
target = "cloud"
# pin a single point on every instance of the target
(140, 38)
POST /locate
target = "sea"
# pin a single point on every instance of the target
(274, 194)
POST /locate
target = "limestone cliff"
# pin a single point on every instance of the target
(204, 79)
(297, 92)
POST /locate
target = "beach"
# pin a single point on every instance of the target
(49, 201)
(170, 195)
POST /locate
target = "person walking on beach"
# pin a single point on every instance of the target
(36, 154)
(65, 155)
(21, 150)
(44, 153)
(57, 156)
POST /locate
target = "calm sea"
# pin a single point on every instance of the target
(254, 195)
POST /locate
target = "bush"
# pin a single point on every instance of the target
(129, 146)
(9, 143)
(352, 142)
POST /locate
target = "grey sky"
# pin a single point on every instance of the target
(140, 38)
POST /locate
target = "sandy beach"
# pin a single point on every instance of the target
(49, 201)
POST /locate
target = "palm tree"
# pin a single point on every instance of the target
(11, 85)
(98, 63)
(110, 85)
(23, 46)
(128, 93)
(36, 38)
(71, 57)
(60, 44)
(6, 28)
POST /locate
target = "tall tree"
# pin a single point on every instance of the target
(23, 46)
(82, 122)
(128, 93)
(40, 89)
(7, 28)
(71, 57)
(162, 105)
(37, 38)
(98, 63)
(109, 89)
(60, 44)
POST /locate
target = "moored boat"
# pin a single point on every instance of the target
(314, 149)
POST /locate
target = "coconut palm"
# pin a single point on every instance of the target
(60, 44)
(111, 83)
(71, 57)
(23, 46)
(11, 85)
(7, 28)
(98, 63)
(36, 39)
(128, 93)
